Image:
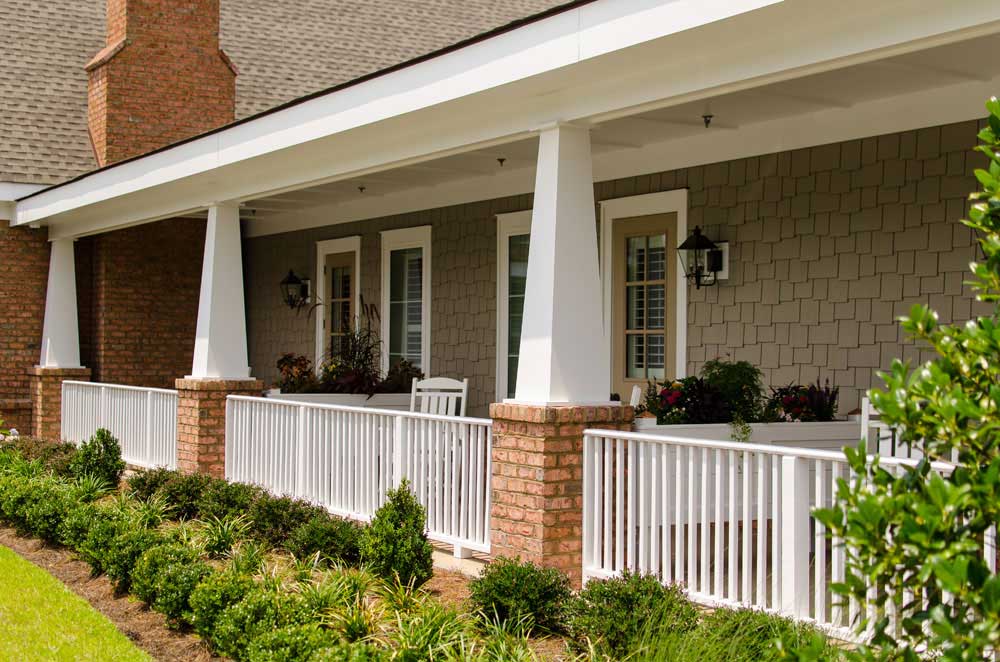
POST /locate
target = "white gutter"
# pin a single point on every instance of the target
(9, 194)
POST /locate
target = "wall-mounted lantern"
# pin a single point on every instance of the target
(295, 291)
(701, 258)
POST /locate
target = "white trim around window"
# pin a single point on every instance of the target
(508, 225)
(644, 205)
(395, 240)
(333, 247)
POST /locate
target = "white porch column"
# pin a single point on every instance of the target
(220, 349)
(564, 357)
(61, 329)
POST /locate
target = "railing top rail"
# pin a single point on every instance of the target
(122, 387)
(789, 451)
(364, 410)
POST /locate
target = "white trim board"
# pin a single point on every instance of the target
(393, 240)
(332, 247)
(508, 225)
(665, 202)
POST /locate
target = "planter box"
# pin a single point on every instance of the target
(818, 436)
(393, 401)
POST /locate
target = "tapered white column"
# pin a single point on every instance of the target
(220, 348)
(564, 357)
(61, 329)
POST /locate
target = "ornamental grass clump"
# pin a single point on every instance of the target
(918, 530)
(395, 544)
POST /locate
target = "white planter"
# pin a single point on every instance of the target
(395, 401)
(819, 436)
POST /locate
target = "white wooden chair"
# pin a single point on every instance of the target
(439, 395)
(882, 438)
(636, 396)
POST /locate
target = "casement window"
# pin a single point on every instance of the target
(513, 235)
(406, 296)
(338, 277)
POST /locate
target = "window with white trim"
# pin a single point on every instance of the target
(513, 239)
(406, 291)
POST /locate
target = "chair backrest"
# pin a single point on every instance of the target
(439, 395)
(636, 396)
(882, 438)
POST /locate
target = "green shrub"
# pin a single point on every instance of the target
(331, 537)
(48, 502)
(53, 456)
(183, 492)
(741, 385)
(294, 643)
(76, 525)
(395, 543)
(98, 537)
(261, 610)
(733, 635)
(150, 566)
(144, 484)
(223, 499)
(99, 456)
(174, 589)
(15, 499)
(511, 591)
(123, 550)
(213, 596)
(352, 652)
(274, 518)
(611, 614)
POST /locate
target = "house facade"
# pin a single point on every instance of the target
(509, 208)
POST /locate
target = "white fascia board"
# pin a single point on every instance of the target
(9, 193)
(536, 48)
(777, 42)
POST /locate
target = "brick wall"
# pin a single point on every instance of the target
(24, 269)
(829, 245)
(161, 78)
(139, 302)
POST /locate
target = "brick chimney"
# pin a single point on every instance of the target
(161, 78)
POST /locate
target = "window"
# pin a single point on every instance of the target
(513, 238)
(338, 277)
(406, 288)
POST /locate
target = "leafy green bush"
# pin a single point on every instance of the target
(919, 530)
(76, 525)
(293, 642)
(331, 537)
(174, 589)
(395, 543)
(610, 614)
(213, 596)
(100, 456)
(513, 591)
(274, 518)
(183, 492)
(733, 635)
(741, 385)
(53, 456)
(144, 484)
(150, 566)
(223, 499)
(260, 611)
(123, 550)
(48, 502)
(352, 652)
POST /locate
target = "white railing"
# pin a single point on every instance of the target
(144, 420)
(732, 522)
(347, 458)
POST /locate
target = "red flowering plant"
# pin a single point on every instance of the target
(687, 400)
(800, 403)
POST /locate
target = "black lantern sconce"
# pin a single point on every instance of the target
(702, 259)
(295, 291)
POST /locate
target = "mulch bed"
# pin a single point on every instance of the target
(147, 629)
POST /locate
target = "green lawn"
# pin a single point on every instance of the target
(41, 619)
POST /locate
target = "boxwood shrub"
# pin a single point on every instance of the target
(150, 567)
(293, 642)
(521, 593)
(261, 610)
(275, 518)
(174, 589)
(213, 596)
(222, 499)
(99, 456)
(332, 538)
(395, 544)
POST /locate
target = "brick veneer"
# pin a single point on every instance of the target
(537, 502)
(201, 421)
(46, 398)
(161, 78)
(24, 269)
(138, 301)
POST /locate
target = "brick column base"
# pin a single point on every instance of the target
(16, 415)
(46, 398)
(201, 422)
(537, 501)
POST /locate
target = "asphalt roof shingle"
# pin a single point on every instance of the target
(283, 50)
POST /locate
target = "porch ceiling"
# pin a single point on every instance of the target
(935, 70)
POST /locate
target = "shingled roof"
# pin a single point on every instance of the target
(283, 50)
